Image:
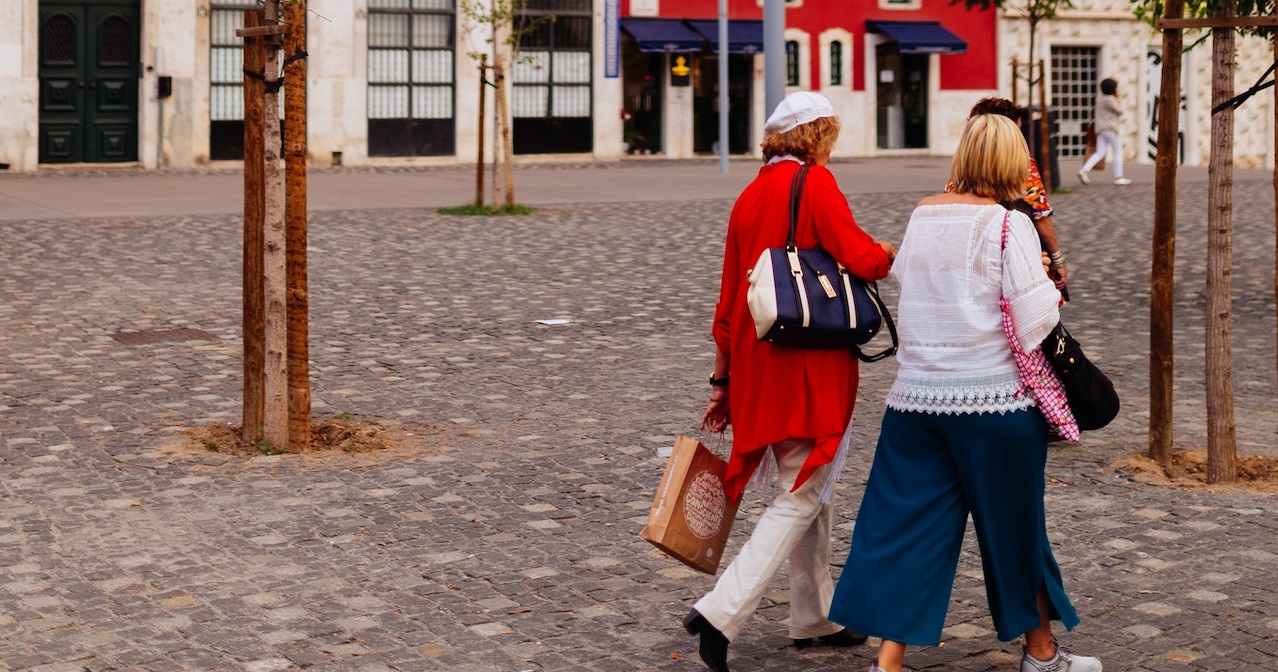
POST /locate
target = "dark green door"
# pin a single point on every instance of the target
(89, 69)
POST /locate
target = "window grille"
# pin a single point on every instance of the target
(551, 98)
(1073, 91)
(791, 63)
(836, 63)
(554, 60)
(226, 62)
(411, 77)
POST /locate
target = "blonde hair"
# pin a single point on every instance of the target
(805, 142)
(992, 159)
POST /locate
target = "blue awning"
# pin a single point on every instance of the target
(744, 37)
(920, 37)
(668, 35)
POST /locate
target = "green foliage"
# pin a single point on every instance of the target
(493, 17)
(1150, 11)
(269, 448)
(488, 210)
(1034, 10)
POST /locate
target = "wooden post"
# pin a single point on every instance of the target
(479, 163)
(1016, 75)
(299, 378)
(254, 213)
(1276, 188)
(275, 427)
(1222, 458)
(1162, 292)
(1044, 129)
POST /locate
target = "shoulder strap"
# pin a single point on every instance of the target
(796, 196)
(1006, 215)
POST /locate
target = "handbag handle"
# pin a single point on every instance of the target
(872, 288)
(796, 196)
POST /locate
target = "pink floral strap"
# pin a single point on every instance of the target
(1037, 376)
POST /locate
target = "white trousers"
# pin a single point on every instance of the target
(1103, 142)
(796, 526)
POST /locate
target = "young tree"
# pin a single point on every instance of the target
(499, 24)
(1225, 18)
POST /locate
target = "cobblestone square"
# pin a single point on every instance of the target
(505, 537)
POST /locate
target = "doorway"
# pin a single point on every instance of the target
(89, 71)
(705, 103)
(901, 95)
(643, 77)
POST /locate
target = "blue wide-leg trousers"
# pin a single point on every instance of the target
(930, 472)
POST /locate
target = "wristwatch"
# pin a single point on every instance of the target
(718, 382)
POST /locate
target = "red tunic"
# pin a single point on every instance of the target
(780, 392)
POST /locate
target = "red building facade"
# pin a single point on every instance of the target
(902, 73)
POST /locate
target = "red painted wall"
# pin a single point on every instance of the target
(977, 69)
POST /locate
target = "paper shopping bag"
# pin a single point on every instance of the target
(690, 517)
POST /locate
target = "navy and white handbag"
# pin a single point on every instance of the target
(806, 299)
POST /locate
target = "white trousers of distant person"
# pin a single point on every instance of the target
(795, 526)
(1104, 141)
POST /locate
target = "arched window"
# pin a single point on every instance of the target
(836, 63)
(791, 63)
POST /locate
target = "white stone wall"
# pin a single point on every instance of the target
(19, 85)
(1123, 42)
(175, 42)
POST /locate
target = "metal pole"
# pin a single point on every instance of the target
(723, 87)
(773, 53)
(479, 162)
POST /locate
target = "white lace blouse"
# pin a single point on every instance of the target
(954, 356)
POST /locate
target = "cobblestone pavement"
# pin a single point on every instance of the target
(505, 539)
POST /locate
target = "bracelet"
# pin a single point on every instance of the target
(718, 382)
(1057, 259)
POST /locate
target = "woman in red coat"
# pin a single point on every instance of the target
(789, 407)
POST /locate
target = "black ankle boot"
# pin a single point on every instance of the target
(843, 637)
(714, 646)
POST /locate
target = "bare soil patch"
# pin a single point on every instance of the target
(1189, 470)
(340, 434)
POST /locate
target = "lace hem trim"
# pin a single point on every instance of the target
(996, 398)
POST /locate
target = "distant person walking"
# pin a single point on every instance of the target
(1108, 120)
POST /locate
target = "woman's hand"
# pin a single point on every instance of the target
(716, 417)
(1059, 276)
(887, 247)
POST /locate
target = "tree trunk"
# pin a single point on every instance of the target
(1221, 444)
(299, 378)
(1044, 129)
(1162, 281)
(503, 125)
(275, 427)
(254, 411)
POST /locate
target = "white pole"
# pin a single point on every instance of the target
(773, 54)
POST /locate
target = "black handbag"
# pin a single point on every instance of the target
(806, 299)
(1090, 393)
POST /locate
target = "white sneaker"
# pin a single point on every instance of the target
(1082, 177)
(1122, 181)
(1064, 661)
